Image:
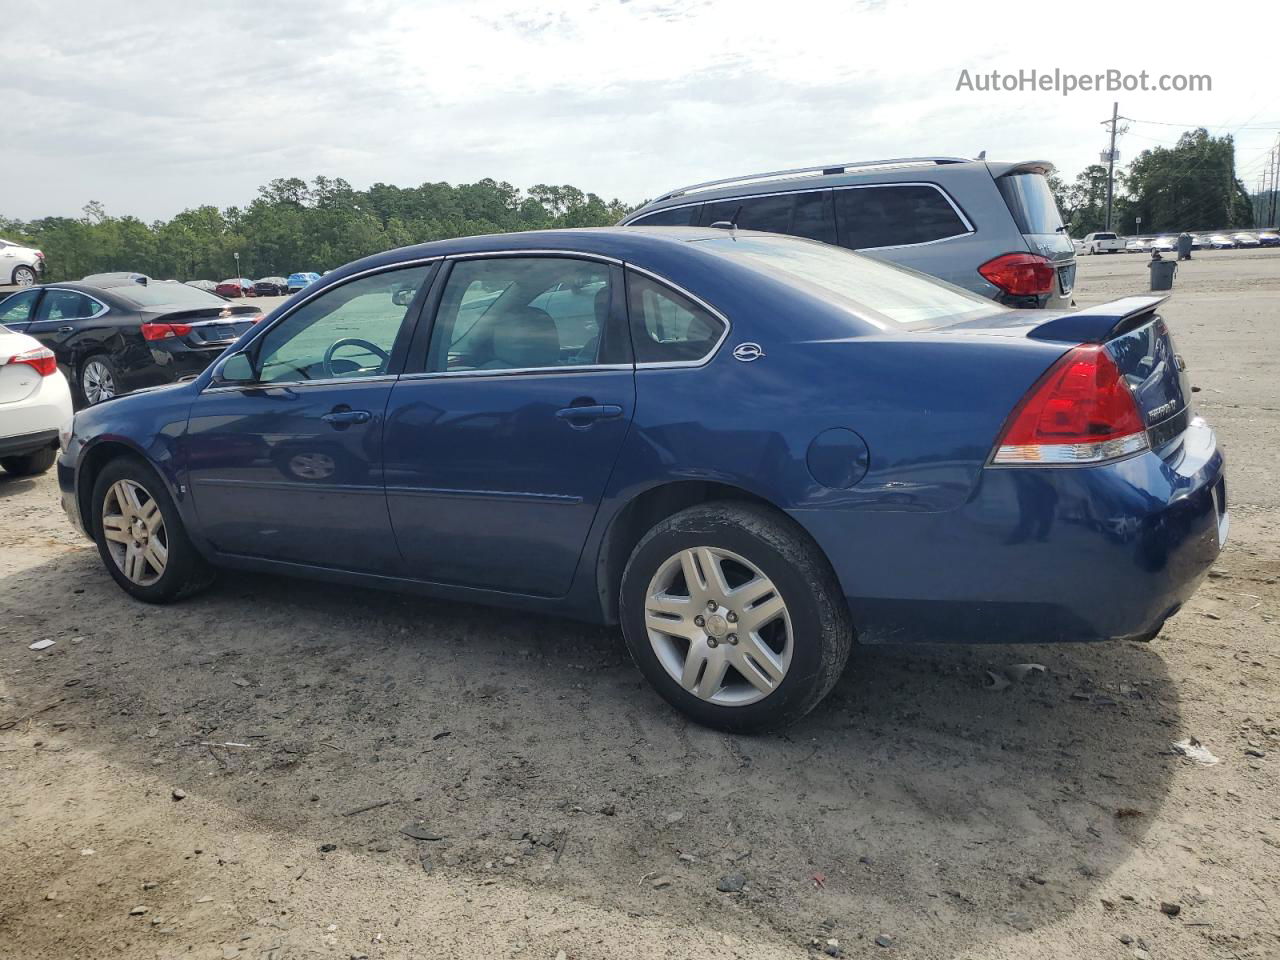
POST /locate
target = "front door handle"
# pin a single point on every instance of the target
(66, 329)
(345, 416)
(586, 415)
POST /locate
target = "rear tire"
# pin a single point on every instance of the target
(759, 673)
(24, 276)
(140, 535)
(29, 464)
(98, 380)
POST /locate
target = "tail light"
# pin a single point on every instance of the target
(39, 359)
(40, 254)
(1020, 274)
(164, 331)
(1081, 411)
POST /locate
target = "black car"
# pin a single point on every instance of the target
(114, 333)
(271, 287)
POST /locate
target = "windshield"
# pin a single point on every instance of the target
(884, 294)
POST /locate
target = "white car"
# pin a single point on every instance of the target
(35, 403)
(1103, 241)
(19, 265)
(1220, 241)
(1165, 244)
(1137, 245)
(1245, 240)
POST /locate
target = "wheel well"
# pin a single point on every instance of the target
(95, 460)
(640, 515)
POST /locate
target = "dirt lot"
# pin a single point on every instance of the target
(580, 817)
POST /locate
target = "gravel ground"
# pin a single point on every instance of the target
(233, 776)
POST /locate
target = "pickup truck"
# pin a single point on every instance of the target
(1103, 242)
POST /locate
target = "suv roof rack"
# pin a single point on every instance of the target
(825, 169)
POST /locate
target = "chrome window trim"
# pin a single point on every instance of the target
(103, 311)
(292, 384)
(715, 348)
(969, 231)
(516, 371)
(564, 254)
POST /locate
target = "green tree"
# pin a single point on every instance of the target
(1190, 186)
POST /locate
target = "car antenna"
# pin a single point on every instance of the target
(982, 155)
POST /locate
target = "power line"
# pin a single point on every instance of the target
(1208, 126)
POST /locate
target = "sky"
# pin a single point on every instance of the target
(152, 107)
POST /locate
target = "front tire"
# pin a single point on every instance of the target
(140, 535)
(735, 616)
(29, 464)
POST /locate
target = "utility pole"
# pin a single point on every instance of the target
(1275, 181)
(1111, 159)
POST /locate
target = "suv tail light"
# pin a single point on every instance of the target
(1081, 411)
(40, 359)
(1020, 274)
(163, 331)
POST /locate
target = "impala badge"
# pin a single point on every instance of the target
(746, 352)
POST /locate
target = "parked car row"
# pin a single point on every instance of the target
(116, 332)
(1105, 242)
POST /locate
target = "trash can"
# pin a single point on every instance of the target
(1162, 272)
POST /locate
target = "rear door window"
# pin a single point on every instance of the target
(685, 216)
(805, 214)
(895, 215)
(67, 305)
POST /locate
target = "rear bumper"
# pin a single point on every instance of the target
(27, 443)
(1039, 555)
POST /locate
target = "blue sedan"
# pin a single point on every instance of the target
(749, 450)
(300, 281)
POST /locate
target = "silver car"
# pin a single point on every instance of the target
(989, 227)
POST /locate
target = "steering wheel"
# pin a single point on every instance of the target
(354, 342)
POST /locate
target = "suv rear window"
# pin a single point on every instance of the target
(894, 215)
(806, 214)
(1031, 202)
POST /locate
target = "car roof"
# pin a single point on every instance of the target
(903, 170)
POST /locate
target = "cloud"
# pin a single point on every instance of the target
(171, 107)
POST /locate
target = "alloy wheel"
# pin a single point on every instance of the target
(134, 530)
(719, 626)
(97, 381)
(24, 277)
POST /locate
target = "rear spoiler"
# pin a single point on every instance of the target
(1100, 323)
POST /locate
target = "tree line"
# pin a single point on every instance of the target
(1189, 186)
(293, 225)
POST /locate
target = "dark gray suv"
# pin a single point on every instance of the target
(992, 228)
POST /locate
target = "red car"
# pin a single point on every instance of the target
(235, 287)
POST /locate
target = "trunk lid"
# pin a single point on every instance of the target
(1137, 339)
(212, 327)
(17, 380)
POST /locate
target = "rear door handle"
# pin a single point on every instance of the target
(344, 418)
(590, 413)
(65, 329)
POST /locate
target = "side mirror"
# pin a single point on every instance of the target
(237, 368)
